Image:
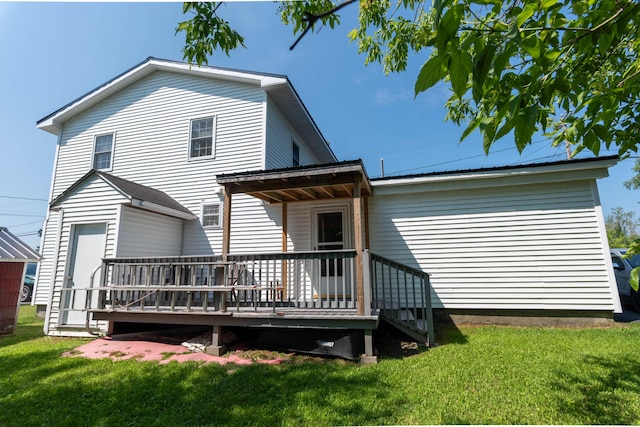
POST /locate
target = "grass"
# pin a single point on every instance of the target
(478, 375)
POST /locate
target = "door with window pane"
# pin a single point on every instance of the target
(330, 232)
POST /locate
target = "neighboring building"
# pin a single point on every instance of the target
(169, 160)
(15, 255)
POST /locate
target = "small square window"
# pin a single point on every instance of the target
(202, 138)
(296, 154)
(211, 215)
(103, 151)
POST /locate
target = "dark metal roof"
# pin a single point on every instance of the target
(13, 249)
(497, 168)
(129, 189)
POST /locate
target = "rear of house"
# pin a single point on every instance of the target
(505, 243)
(170, 164)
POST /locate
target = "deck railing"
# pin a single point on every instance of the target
(306, 280)
(293, 279)
(403, 296)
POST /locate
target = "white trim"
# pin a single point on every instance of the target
(265, 117)
(214, 126)
(54, 271)
(50, 124)
(615, 295)
(113, 149)
(116, 237)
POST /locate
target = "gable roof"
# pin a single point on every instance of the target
(13, 249)
(277, 86)
(139, 195)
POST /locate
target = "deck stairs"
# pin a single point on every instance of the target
(402, 294)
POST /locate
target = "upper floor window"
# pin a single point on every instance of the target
(202, 137)
(103, 151)
(296, 154)
(211, 215)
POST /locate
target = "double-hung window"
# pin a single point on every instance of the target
(212, 215)
(202, 137)
(295, 154)
(103, 151)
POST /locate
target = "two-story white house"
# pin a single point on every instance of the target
(202, 195)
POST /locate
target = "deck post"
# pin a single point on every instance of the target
(220, 298)
(226, 224)
(283, 268)
(216, 348)
(358, 235)
(368, 357)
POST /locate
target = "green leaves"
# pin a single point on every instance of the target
(460, 65)
(206, 32)
(432, 72)
(570, 68)
(634, 279)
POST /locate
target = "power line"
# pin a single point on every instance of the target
(21, 214)
(26, 223)
(24, 198)
(29, 233)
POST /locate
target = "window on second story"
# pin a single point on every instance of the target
(103, 151)
(202, 138)
(296, 153)
(211, 215)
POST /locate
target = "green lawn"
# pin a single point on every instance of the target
(478, 375)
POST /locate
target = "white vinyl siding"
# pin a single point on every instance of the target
(92, 202)
(146, 234)
(153, 119)
(48, 253)
(520, 247)
(280, 134)
(153, 122)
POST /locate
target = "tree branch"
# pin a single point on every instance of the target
(311, 19)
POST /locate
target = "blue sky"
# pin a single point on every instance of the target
(52, 53)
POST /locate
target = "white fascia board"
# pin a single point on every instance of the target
(50, 124)
(153, 207)
(272, 81)
(496, 178)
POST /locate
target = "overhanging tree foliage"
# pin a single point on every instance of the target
(569, 69)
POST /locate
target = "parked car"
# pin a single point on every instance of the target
(622, 268)
(29, 279)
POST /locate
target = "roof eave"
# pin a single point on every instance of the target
(141, 70)
(581, 169)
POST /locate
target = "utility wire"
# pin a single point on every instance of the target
(24, 198)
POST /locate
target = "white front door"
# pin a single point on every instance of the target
(330, 232)
(86, 253)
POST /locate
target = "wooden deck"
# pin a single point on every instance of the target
(260, 316)
(315, 290)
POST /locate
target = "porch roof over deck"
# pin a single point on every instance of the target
(300, 184)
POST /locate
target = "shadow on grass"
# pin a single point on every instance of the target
(42, 388)
(22, 333)
(602, 394)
